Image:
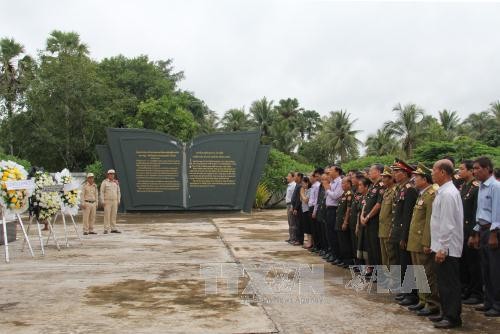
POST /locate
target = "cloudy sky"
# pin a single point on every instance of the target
(363, 57)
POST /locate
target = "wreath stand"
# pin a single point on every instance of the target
(51, 233)
(6, 241)
(63, 215)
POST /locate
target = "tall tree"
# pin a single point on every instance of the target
(308, 123)
(449, 120)
(339, 137)
(235, 120)
(263, 115)
(14, 79)
(381, 143)
(288, 108)
(284, 137)
(405, 126)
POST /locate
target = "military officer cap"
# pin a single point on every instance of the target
(90, 175)
(111, 171)
(422, 170)
(387, 171)
(401, 165)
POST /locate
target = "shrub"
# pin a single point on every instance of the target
(98, 169)
(262, 196)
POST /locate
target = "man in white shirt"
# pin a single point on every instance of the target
(290, 178)
(446, 243)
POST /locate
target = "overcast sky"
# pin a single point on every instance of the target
(363, 57)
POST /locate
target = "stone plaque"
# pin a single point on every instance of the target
(157, 172)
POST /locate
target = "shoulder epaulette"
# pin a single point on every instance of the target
(408, 185)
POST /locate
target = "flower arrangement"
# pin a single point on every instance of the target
(70, 200)
(45, 204)
(13, 201)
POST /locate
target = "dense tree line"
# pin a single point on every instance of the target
(56, 106)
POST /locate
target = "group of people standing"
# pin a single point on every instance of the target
(442, 220)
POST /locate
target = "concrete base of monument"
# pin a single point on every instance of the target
(152, 278)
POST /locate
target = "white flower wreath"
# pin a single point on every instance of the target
(70, 200)
(46, 204)
(13, 201)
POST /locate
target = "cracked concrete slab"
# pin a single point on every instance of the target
(149, 280)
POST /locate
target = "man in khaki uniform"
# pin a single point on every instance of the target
(419, 240)
(389, 254)
(90, 198)
(110, 199)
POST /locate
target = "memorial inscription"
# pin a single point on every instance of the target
(157, 171)
(208, 169)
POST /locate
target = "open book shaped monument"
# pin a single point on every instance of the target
(219, 171)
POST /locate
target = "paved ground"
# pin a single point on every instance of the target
(153, 279)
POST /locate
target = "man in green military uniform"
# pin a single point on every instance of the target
(402, 211)
(354, 213)
(470, 262)
(370, 214)
(419, 240)
(342, 224)
(385, 219)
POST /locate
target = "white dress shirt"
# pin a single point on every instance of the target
(289, 192)
(447, 232)
(335, 192)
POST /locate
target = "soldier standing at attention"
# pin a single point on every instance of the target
(419, 241)
(369, 216)
(470, 262)
(110, 199)
(353, 219)
(90, 198)
(342, 224)
(404, 201)
(385, 220)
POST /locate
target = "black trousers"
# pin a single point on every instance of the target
(404, 258)
(490, 263)
(374, 254)
(300, 227)
(354, 241)
(324, 240)
(470, 271)
(344, 239)
(331, 234)
(448, 281)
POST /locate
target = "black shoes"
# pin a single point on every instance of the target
(492, 313)
(399, 297)
(472, 301)
(425, 312)
(416, 307)
(92, 232)
(482, 308)
(436, 318)
(115, 231)
(407, 301)
(445, 324)
(85, 233)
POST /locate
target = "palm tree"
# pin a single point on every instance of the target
(235, 120)
(288, 109)
(11, 78)
(66, 43)
(381, 143)
(450, 122)
(263, 114)
(283, 137)
(339, 137)
(308, 123)
(478, 125)
(406, 126)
